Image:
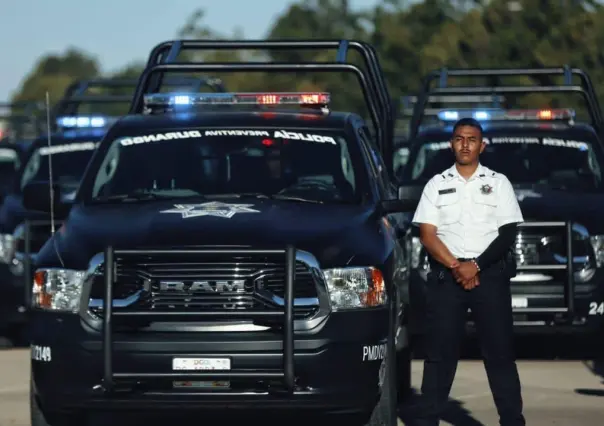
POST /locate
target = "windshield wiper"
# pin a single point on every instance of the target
(238, 195)
(264, 196)
(133, 196)
(293, 198)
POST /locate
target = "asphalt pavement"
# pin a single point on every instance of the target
(556, 392)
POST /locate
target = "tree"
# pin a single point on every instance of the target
(196, 28)
(323, 20)
(129, 72)
(411, 38)
(530, 34)
(54, 73)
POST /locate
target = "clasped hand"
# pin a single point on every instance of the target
(466, 274)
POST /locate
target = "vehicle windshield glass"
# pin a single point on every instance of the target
(312, 165)
(9, 163)
(69, 161)
(565, 164)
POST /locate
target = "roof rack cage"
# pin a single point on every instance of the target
(24, 112)
(80, 87)
(585, 88)
(23, 105)
(407, 102)
(68, 105)
(163, 59)
(77, 99)
(76, 92)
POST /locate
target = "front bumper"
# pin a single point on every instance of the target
(333, 372)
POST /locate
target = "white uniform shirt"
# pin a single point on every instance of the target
(468, 214)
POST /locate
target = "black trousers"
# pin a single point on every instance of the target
(447, 306)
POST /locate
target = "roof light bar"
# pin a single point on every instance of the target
(191, 99)
(84, 121)
(511, 114)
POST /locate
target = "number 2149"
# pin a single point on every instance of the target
(41, 353)
(596, 308)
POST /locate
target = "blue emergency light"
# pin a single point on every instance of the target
(192, 99)
(509, 114)
(84, 121)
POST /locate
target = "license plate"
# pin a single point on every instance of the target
(201, 364)
(215, 384)
(519, 302)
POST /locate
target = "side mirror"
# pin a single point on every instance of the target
(36, 196)
(408, 199)
(410, 192)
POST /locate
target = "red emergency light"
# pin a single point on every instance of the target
(274, 98)
(509, 114)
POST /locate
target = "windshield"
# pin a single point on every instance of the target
(68, 164)
(566, 164)
(309, 165)
(9, 163)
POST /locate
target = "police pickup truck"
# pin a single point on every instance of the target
(556, 165)
(20, 121)
(11, 156)
(19, 126)
(70, 146)
(75, 136)
(224, 251)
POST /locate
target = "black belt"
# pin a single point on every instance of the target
(437, 265)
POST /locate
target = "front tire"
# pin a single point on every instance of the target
(403, 374)
(380, 415)
(39, 418)
(404, 356)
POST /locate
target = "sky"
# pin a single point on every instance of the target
(117, 32)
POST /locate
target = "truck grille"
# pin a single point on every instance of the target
(158, 284)
(548, 246)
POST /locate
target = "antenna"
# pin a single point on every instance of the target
(50, 180)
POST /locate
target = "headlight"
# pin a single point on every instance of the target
(351, 288)
(7, 248)
(16, 263)
(597, 242)
(416, 251)
(57, 289)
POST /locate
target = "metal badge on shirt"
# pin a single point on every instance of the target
(486, 189)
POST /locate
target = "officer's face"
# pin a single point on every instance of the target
(467, 144)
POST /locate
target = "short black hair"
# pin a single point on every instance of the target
(467, 121)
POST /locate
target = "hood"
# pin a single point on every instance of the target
(547, 204)
(335, 234)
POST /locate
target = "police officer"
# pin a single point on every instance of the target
(467, 217)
